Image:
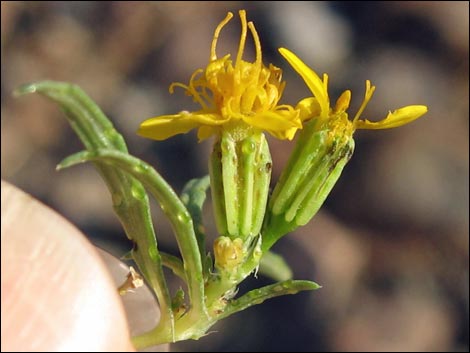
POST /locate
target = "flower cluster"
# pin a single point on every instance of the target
(238, 101)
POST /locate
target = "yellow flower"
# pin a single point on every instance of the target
(237, 96)
(337, 120)
(321, 152)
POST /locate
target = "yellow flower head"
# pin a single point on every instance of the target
(238, 96)
(337, 120)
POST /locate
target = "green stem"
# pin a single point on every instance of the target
(193, 197)
(174, 264)
(189, 328)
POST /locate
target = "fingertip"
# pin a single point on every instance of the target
(56, 292)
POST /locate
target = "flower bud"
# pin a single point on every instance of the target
(228, 254)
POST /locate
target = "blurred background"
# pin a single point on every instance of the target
(391, 244)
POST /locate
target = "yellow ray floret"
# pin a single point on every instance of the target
(318, 106)
(232, 95)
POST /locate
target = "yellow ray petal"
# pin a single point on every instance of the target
(312, 80)
(309, 108)
(163, 127)
(205, 132)
(287, 134)
(274, 121)
(396, 118)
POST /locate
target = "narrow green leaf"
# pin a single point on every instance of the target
(130, 202)
(274, 266)
(172, 206)
(89, 122)
(258, 296)
(74, 159)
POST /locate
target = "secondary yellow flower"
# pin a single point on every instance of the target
(237, 96)
(337, 120)
(322, 150)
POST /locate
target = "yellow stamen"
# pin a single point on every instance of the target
(190, 89)
(367, 97)
(258, 59)
(325, 87)
(241, 46)
(216, 35)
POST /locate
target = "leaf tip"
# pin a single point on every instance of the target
(25, 89)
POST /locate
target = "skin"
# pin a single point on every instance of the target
(56, 293)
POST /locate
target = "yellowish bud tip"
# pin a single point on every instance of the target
(228, 254)
(343, 101)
